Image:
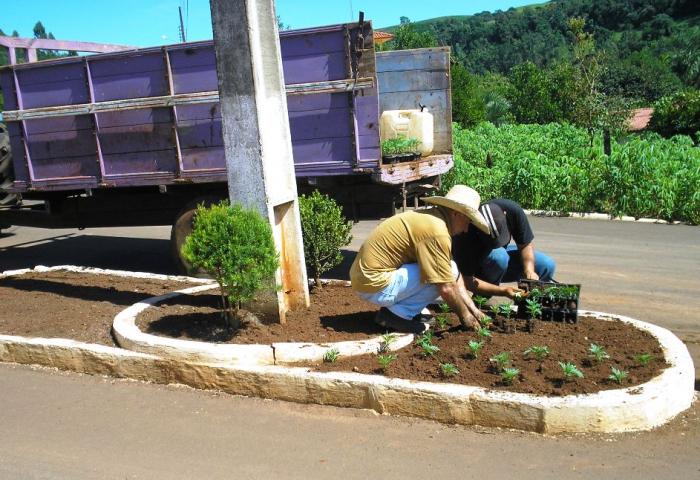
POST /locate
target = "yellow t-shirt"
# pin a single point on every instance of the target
(412, 237)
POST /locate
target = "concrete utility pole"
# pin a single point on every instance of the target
(257, 142)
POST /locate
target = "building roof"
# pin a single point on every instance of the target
(381, 37)
(640, 119)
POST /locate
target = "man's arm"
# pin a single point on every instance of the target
(461, 303)
(527, 253)
(482, 287)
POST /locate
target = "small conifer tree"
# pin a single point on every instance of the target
(235, 246)
(325, 230)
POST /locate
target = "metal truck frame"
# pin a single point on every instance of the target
(133, 137)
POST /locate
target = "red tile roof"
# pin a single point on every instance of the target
(382, 35)
(640, 119)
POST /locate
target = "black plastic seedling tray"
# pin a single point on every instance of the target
(558, 301)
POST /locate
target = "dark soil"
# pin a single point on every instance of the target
(566, 342)
(79, 306)
(336, 314)
(82, 307)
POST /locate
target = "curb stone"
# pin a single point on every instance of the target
(129, 336)
(632, 409)
(601, 216)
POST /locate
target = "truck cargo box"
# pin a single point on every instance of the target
(151, 117)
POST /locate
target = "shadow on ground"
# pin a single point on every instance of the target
(206, 327)
(82, 292)
(360, 322)
(119, 253)
(342, 271)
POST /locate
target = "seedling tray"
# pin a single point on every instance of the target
(559, 301)
(401, 157)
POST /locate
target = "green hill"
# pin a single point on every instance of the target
(653, 38)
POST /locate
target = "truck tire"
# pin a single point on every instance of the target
(182, 227)
(7, 176)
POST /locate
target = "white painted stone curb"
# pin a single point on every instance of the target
(600, 216)
(636, 408)
(129, 336)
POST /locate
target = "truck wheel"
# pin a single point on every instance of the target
(182, 228)
(6, 174)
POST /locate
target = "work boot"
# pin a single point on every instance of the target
(386, 318)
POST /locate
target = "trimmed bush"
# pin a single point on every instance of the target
(325, 231)
(235, 246)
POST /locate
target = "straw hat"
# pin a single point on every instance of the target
(464, 200)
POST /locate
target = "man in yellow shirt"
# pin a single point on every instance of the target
(406, 262)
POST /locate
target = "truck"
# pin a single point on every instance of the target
(132, 137)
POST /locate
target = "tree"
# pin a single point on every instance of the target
(532, 95)
(39, 30)
(593, 109)
(467, 105)
(235, 246)
(677, 114)
(407, 36)
(325, 231)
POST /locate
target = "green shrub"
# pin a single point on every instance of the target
(235, 246)
(325, 230)
(677, 114)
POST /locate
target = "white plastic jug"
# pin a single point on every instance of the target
(408, 124)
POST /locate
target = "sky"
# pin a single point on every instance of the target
(145, 23)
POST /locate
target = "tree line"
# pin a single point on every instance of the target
(585, 62)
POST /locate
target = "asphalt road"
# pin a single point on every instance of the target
(66, 426)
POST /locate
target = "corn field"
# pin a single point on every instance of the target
(555, 167)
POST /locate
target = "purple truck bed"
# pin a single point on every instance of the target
(94, 126)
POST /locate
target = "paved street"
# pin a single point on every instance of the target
(59, 425)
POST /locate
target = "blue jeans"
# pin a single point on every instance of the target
(406, 296)
(506, 265)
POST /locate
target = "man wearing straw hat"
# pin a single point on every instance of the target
(406, 262)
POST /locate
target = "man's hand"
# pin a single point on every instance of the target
(470, 322)
(531, 275)
(512, 292)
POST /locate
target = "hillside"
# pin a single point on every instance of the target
(662, 29)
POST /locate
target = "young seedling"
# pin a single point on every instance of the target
(425, 342)
(534, 309)
(429, 349)
(442, 320)
(427, 337)
(444, 308)
(644, 359)
(502, 360)
(486, 321)
(495, 310)
(483, 333)
(331, 355)
(617, 376)
(505, 310)
(508, 374)
(535, 294)
(598, 352)
(448, 369)
(570, 370)
(385, 360)
(480, 301)
(474, 348)
(540, 352)
(386, 340)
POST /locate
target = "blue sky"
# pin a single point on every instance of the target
(145, 23)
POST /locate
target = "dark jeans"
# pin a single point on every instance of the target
(506, 265)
